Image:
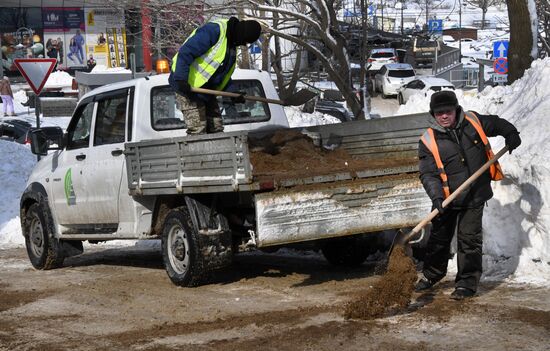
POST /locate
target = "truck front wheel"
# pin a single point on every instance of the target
(44, 250)
(180, 249)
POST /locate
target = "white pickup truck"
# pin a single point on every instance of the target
(125, 169)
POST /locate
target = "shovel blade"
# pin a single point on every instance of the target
(400, 239)
(300, 97)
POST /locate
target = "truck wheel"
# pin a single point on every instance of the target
(347, 252)
(43, 249)
(180, 249)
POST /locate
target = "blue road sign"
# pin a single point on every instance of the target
(370, 10)
(255, 48)
(435, 26)
(500, 48)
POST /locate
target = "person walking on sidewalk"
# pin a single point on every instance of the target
(207, 59)
(450, 151)
(7, 97)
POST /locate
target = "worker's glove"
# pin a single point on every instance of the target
(438, 204)
(184, 86)
(239, 99)
(512, 140)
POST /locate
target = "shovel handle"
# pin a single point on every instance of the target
(455, 193)
(230, 94)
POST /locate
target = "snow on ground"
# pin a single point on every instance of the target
(297, 118)
(517, 219)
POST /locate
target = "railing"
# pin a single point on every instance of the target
(446, 62)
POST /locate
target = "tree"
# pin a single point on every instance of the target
(313, 26)
(523, 38)
(484, 6)
(543, 14)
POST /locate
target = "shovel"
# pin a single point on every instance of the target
(300, 98)
(402, 238)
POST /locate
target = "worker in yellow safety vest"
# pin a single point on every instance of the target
(207, 59)
(449, 152)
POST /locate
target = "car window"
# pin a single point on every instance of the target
(166, 115)
(402, 73)
(250, 111)
(424, 43)
(383, 70)
(110, 125)
(421, 84)
(79, 129)
(382, 55)
(411, 85)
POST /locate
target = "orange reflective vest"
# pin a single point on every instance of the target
(428, 138)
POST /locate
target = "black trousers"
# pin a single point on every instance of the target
(470, 243)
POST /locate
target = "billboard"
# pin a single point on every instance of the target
(106, 36)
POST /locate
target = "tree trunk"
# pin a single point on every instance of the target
(521, 39)
(483, 13)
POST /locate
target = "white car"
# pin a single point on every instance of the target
(422, 86)
(391, 77)
(379, 57)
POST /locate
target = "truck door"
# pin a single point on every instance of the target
(107, 161)
(69, 190)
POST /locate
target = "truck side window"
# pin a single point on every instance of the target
(165, 115)
(110, 125)
(250, 111)
(79, 131)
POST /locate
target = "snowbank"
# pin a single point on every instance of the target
(17, 162)
(297, 118)
(104, 69)
(59, 79)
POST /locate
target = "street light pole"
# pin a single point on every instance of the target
(402, 5)
(460, 28)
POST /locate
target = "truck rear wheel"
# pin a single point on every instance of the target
(183, 261)
(346, 252)
(43, 249)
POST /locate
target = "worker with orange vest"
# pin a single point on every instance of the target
(450, 151)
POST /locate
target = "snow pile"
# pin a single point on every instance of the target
(59, 79)
(18, 97)
(297, 118)
(104, 69)
(17, 163)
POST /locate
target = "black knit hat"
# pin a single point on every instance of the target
(246, 32)
(444, 99)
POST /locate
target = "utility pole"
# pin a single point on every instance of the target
(460, 28)
(427, 19)
(364, 97)
(382, 5)
(402, 5)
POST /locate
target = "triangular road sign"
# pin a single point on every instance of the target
(36, 71)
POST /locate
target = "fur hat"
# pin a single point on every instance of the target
(444, 99)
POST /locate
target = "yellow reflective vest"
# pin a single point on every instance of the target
(204, 67)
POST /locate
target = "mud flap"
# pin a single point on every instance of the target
(71, 247)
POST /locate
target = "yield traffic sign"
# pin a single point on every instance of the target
(500, 65)
(36, 71)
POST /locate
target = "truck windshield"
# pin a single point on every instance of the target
(402, 73)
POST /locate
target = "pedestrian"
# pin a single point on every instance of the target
(450, 151)
(91, 63)
(7, 97)
(207, 59)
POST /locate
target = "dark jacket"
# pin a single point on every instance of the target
(205, 37)
(462, 153)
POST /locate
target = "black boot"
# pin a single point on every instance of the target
(424, 284)
(462, 293)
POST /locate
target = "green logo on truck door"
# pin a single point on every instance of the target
(69, 190)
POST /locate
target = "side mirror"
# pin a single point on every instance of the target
(46, 138)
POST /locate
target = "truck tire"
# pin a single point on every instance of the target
(44, 250)
(346, 252)
(183, 261)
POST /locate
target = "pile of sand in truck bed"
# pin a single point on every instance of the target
(389, 295)
(291, 154)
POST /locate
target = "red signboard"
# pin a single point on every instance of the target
(36, 71)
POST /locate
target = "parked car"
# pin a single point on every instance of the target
(380, 57)
(448, 39)
(334, 109)
(422, 86)
(14, 130)
(391, 77)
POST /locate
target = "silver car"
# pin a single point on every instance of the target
(391, 77)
